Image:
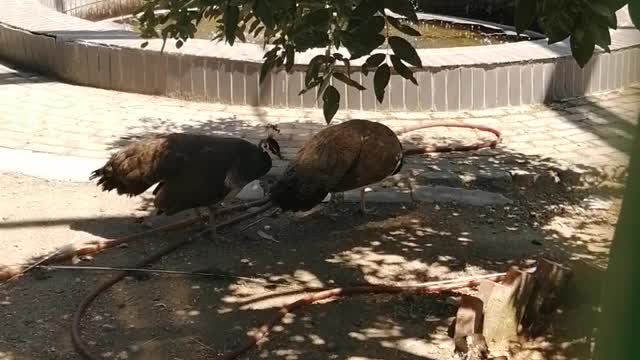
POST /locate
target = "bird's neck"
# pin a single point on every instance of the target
(266, 158)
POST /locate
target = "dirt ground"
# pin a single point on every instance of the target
(186, 317)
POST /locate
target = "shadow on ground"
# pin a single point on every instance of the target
(168, 317)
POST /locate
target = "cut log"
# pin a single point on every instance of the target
(468, 321)
(550, 282)
(477, 347)
(505, 305)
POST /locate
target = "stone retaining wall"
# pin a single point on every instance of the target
(103, 55)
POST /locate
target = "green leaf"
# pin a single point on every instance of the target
(403, 28)
(313, 68)
(359, 47)
(373, 25)
(311, 85)
(331, 99)
(324, 84)
(258, 31)
(380, 81)
(634, 12)
(582, 47)
(144, 44)
(317, 18)
(264, 12)
(347, 80)
(405, 50)
(363, 12)
(240, 34)
(231, 15)
(402, 69)
(290, 58)
(612, 21)
(373, 61)
(599, 9)
(525, 14)
(600, 34)
(402, 7)
(253, 26)
(266, 67)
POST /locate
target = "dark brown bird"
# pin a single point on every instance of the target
(191, 170)
(352, 155)
(343, 157)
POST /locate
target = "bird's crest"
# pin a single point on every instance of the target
(272, 130)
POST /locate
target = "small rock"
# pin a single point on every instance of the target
(522, 178)
(594, 202)
(122, 355)
(331, 347)
(266, 236)
(546, 179)
(108, 327)
(573, 175)
(445, 194)
(133, 348)
(498, 180)
(442, 177)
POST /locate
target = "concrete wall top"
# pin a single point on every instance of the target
(32, 15)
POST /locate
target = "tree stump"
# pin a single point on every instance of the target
(477, 348)
(468, 321)
(505, 304)
(550, 281)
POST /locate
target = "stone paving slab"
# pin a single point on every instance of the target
(40, 115)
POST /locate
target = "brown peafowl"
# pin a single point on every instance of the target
(342, 157)
(352, 155)
(191, 170)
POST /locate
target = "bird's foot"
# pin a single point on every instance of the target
(213, 236)
(367, 210)
(147, 223)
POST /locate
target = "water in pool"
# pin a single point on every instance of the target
(435, 34)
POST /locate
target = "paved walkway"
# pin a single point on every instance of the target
(40, 115)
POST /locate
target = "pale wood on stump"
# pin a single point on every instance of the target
(505, 304)
(468, 321)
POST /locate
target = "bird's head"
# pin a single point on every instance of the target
(269, 144)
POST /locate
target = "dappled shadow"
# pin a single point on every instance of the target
(615, 127)
(16, 78)
(167, 317)
(94, 34)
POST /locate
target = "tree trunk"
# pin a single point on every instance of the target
(618, 337)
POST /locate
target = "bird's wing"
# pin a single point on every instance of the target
(329, 155)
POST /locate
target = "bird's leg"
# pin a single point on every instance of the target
(363, 206)
(414, 202)
(147, 221)
(199, 213)
(335, 201)
(213, 231)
